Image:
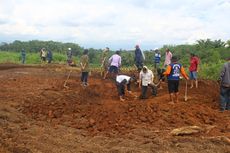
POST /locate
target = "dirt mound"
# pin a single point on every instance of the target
(37, 108)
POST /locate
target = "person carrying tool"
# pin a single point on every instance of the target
(173, 72)
(115, 64)
(146, 80)
(193, 69)
(139, 58)
(104, 61)
(84, 64)
(121, 81)
(225, 86)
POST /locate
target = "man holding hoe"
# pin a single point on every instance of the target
(173, 72)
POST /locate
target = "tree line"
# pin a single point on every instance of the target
(209, 51)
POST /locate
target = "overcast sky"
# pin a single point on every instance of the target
(115, 23)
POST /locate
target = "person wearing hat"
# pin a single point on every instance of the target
(121, 81)
(139, 58)
(173, 72)
(84, 63)
(146, 80)
(225, 86)
(69, 55)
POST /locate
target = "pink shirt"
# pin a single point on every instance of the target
(115, 60)
(168, 57)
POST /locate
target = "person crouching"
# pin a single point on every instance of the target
(146, 80)
(121, 81)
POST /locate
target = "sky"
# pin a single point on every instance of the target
(117, 24)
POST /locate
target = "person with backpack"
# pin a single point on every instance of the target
(173, 72)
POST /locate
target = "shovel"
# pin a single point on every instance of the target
(186, 92)
(65, 86)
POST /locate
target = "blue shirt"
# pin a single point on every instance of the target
(157, 58)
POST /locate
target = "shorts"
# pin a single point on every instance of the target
(113, 69)
(173, 86)
(193, 75)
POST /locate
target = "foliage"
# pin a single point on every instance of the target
(211, 53)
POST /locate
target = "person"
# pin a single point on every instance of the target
(173, 72)
(146, 80)
(168, 57)
(23, 56)
(69, 55)
(84, 64)
(121, 81)
(225, 86)
(193, 69)
(49, 56)
(43, 55)
(104, 61)
(115, 64)
(157, 59)
(139, 58)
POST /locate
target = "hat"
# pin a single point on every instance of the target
(69, 48)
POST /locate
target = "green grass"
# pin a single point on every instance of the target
(207, 71)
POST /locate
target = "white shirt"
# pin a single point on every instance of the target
(146, 78)
(120, 78)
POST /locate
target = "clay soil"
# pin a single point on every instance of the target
(39, 115)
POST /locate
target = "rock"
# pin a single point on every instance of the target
(188, 130)
(91, 122)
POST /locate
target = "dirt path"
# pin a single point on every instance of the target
(38, 115)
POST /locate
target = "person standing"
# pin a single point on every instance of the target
(157, 59)
(173, 72)
(139, 58)
(23, 56)
(121, 81)
(104, 61)
(69, 55)
(49, 56)
(225, 86)
(168, 57)
(146, 80)
(43, 55)
(115, 64)
(84, 64)
(193, 69)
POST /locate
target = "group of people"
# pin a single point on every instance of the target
(172, 70)
(46, 55)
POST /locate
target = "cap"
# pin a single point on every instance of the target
(69, 48)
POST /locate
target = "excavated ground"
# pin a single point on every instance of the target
(39, 115)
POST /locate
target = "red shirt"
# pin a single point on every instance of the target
(194, 61)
